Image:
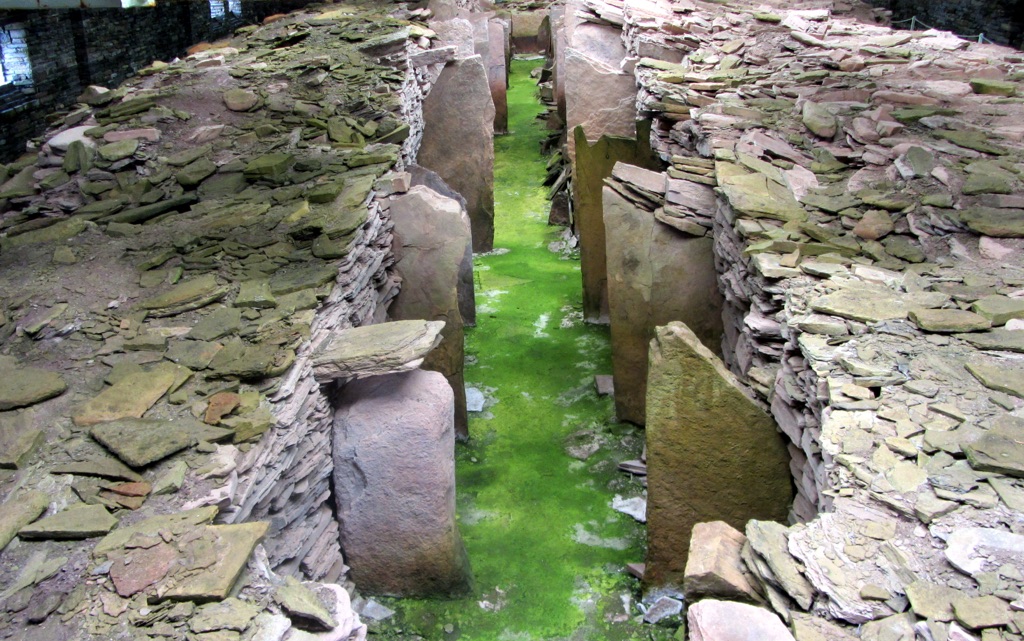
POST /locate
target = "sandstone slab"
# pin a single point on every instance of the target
(432, 242)
(711, 620)
(130, 397)
(139, 442)
(18, 512)
(24, 386)
(459, 108)
(74, 523)
(714, 567)
(371, 350)
(712, 453)
(395, 474)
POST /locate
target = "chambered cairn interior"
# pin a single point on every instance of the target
(587, 320)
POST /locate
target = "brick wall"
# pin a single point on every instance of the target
(1002, 21)
(69, 49)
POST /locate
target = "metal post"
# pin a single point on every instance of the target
(913, 23)
(981, 38)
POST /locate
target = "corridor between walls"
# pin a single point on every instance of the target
(537, 479)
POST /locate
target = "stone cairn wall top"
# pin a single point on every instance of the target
(867, 225)
(172, 259)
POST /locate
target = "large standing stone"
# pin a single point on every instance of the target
(458, 141)
(655, 275)
(598, 94)
(431, 243)
(394, 474)
(712, 453)
(593, 164)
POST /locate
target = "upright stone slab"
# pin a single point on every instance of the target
(712, 453)
(593, 164)
(656, 275)
(497, 73)
(599, 95)
(526, 31)
(394, 477)
(458, 141)
(432, 239)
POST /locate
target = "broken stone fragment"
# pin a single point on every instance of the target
(1000, 375)
(20, 510)
(873, 304)
(981, 612)
(303, 606)
(973, 550)
(999, 309)
(714, 567)
(932, 600)
(769, 540)
(133, 570)
(24, 386)
(371, 350)
(255, 294)
(115, 151)
(993, 87)
(80, 522)
(19, 439)
(222, 322)
(270, 166)
(215, 560)
(229, 614)
(711, 620)
(664, 608)
(175, 524)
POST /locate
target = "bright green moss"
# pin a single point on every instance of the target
(521, 498)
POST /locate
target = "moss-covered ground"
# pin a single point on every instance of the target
(548, 553)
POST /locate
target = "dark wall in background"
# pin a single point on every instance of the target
(1002, 21)
(69, 49)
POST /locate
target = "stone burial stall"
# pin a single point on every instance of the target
(861, 189)
(203, 326)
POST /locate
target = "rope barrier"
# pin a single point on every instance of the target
(915, 22)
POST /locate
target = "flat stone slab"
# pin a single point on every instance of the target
(303, 604)
(949, 321)
(1000, 450)
(1003, 376)
(19, 438)
(186, 296)
(130, 397)
(24, 386)
(74, 523)
(217, 558)
(176, 524)
(19, 511)
(997, 339)
(999, 309)
(874, 304)
(372, 350)
(139, 442)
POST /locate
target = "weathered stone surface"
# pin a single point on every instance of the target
(24, 386)
(872, 304)
(215, 561)
(711, 620)
(1000, 375)
(714, 567)
(999, 309)
(229, 614)
(1000, 449)
(19, 511)
(432, 238)
(819, 120)
(599, 96)
(302, 604)
(990, 221)
(932, 600)
(769, 540)
(130, 397)
(656, 275)
(395, 480)
(81, 522)
(139, 442)
(712, 454)
(976, 549)
(497, 72)
(592, 165)
(982, 612)
(459, 108)
(949, 320)
(240, 99)
(377, 349)
(19, 439)
(188, 295)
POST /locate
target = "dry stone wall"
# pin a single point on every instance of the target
(218, 221)
(867, 223)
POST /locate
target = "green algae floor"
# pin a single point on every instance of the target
(548, 553)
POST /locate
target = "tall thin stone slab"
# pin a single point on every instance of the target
(394, 479)
(497, 73)
(593, 164)
(656, 275)
(431, 245)
(712, 453)
(458, 141)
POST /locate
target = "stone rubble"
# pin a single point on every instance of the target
(862, 187)
(179, 257)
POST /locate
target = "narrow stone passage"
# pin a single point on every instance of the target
(548, 553)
